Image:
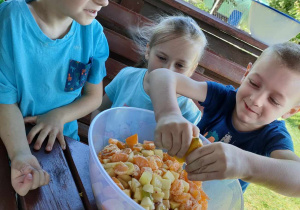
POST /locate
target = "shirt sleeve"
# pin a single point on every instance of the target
(8, 90)
(98, 70)
(280, 139)
(112, 88)
(216, 95)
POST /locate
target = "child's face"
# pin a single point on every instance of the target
(268, 92)
(82, 11)
(179, 55)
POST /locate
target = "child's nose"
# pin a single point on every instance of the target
(170, 66)
(258, 99)
(102, 3)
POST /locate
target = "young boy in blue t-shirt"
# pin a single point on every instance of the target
(252, 145)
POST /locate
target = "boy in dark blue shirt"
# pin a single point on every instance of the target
(259, 148)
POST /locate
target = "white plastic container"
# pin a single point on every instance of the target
(270, 25)
(122, 122)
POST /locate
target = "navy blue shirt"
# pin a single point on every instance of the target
(216, 125)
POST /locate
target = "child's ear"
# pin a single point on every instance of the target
(249, 66)
(147, 52)
(291, 112)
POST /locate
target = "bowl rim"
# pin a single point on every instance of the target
(256, 1)
(108, 178)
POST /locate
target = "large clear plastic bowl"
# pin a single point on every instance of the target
(122, 122)
(270, 25)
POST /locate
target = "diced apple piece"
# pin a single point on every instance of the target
(156, 190)
(106, 161)
(110, 165)
(147, 153)
(124, 183)
(167, 194)
(175, 174)
(186, 186)
(130, 157)
(135, 184)
(125, 177)
(138, 194)
(146, 201)
(156, 180)
(158, 196)
(159, 153)
(127, 192)
(130, 168)
(174, 205)
(148, 188)
(169, 176)
(166, 184)
(161, 207)
(166, 203)
(111, 172)
(146, 178)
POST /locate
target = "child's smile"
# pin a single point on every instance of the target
(248, 108)
(92, 13)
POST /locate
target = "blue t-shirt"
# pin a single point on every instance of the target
(41, 74)
(216, 124)
(127, 89)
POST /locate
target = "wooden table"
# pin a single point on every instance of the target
(69, 187)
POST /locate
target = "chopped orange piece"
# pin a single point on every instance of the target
(149, 145)
(196, 143)
(119, 157)
(141, 161)
(132, 140)
(118, 183)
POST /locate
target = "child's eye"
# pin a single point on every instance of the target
(273, 101)
(179, 65)
(161, 58)
(253, 84)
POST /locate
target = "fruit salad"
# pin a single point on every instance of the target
(150, 177)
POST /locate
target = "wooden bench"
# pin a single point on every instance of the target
(119, 16)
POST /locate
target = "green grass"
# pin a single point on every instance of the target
(257, 197)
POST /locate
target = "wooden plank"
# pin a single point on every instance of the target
(7, 193)
(223, 67)
(77, 155)
(121, 45)
(113, 67)
(61, 192)
(135, 6)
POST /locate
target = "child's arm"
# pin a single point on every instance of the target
(106, 104)
(224, 161)
(173, 132)
(26, 172)
(51, 124)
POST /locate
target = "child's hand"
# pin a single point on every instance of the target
(27, 174)
(49, 124)
(174, 133)
(215, 161)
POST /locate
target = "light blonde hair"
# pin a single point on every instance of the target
(168, 28)
(288, 53)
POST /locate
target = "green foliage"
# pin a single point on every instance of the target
(200, 4)
(289, 7)
(1, 1)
